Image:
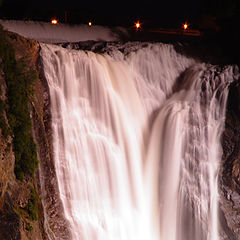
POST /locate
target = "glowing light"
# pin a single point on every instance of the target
(54, 21)
(138, 25)
(185, 26)
(89, 23)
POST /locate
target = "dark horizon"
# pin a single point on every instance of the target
(152, 14)
(206, 15)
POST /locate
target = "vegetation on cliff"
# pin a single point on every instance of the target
(32, 206)
(19, 80)
(15, 124)
(3, 124)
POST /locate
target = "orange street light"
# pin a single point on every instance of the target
(54, 21)
(185, 26)
(137, 25)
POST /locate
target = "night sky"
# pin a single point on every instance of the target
(161, 13)
(121, 13)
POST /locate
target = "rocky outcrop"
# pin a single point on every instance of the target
(230, 169)
(15, 195)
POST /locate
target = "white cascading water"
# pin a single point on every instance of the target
(136, 141)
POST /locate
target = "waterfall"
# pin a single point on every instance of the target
(136, 139)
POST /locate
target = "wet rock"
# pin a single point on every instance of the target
(10, 221)
(230, 168)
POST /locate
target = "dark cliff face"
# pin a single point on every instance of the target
(231, 139)
(230, 169)
(16, 197)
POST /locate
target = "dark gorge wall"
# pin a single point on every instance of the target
(21, 214)
(230, 170)
(17, 195)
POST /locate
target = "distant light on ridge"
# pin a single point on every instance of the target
(185, 26)
(54, 21)
(138, 25)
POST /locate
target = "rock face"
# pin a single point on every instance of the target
(14, 194)
(9, 220)
(230, 172)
